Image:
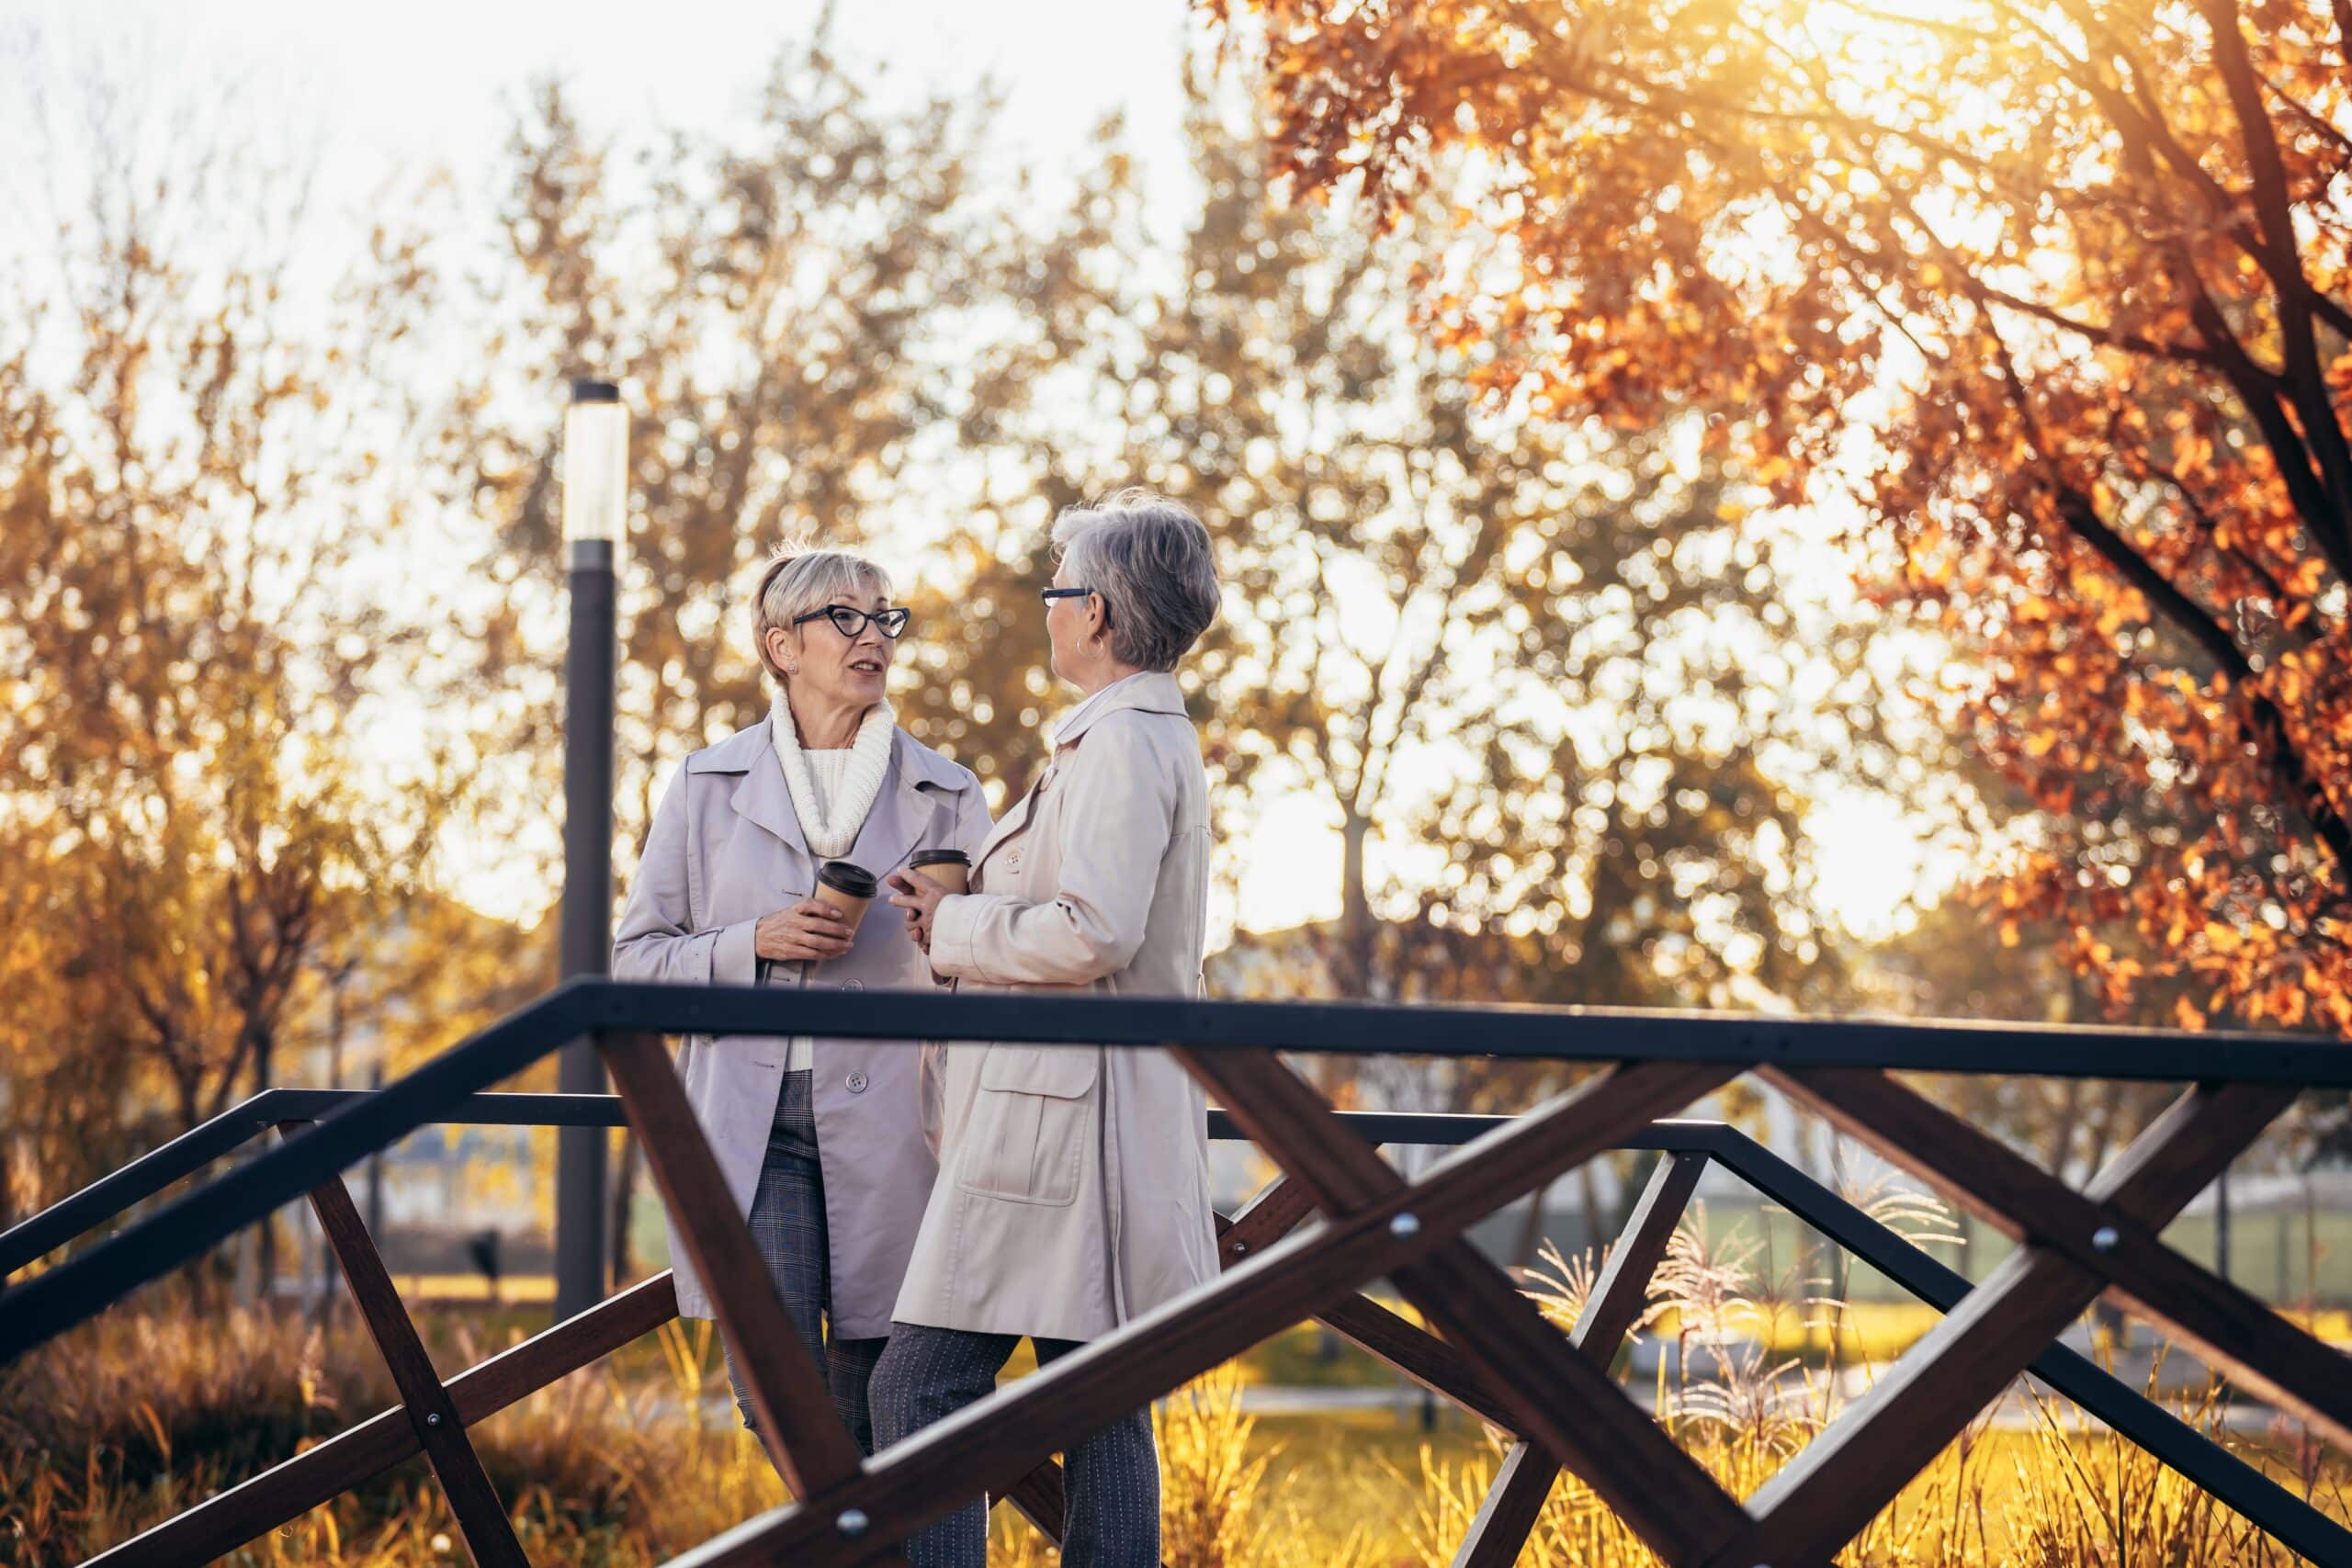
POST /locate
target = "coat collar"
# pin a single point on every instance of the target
(1152, 691)
(920, 765)
(763, 796)
(894, 825)
(925, 795)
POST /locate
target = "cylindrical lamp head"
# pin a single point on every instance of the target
(595, 464)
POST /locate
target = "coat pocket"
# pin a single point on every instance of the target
(1026, 1137)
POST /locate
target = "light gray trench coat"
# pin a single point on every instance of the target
(724, 849)
(1073, 1191)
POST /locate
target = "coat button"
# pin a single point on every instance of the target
(858, 1083)
(853, 985)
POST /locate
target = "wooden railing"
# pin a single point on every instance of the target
(1493, 1352)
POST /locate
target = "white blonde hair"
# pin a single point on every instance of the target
(797, 582)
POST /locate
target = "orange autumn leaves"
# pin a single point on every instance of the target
(2058, 292)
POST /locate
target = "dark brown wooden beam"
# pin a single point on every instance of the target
(789, 1398)
(1515, 1500)
(1513, 1503)
(431, 1413)
(2265, 1353)
(1585, 1423)
(1365, 1322)
(1557, 1398)
(1037, 1496)
(994, 1442)
(1421, 1356)
(318, 1475)
(1621, 1288)
(1825, 1495)
(1272, 1214)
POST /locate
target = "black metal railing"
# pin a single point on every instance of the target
(1668, 1059)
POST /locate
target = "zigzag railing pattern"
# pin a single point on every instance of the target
(1493, 1354)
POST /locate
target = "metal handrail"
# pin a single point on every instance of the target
(37, 1309)
(113, 1194)
(2197, 1456)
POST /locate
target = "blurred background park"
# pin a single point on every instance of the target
(1815, 508)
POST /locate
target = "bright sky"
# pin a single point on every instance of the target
(433, 80)
(378, 92)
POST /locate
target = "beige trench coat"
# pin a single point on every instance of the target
(1073, 1190)
(724, 849)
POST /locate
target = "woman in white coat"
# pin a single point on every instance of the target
(820, 1141)
(1073, 1192)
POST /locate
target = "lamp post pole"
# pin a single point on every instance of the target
(595, 495)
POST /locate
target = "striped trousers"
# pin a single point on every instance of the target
(1111, 1481)
(788, 1228)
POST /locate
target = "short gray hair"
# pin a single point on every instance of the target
(1151, 562)
(797, 582)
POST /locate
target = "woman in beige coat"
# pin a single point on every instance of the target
(1073, 1184)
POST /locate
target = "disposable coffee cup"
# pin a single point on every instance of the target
(848, 887)
(951, 869)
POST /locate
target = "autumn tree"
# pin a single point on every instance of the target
(790, 309)
(803, 309)
(1532, 675)
(1533, 664)
(221, 780)
(2055, 291)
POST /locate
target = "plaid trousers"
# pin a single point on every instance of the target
(788, 1229)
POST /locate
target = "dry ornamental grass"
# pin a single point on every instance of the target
(137, 1417)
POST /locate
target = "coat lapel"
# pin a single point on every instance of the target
(894, 823)
(1015, 821)
(1151, 692)
(917, 796)
(764, 798)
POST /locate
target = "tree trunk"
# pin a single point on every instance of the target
(265, 1243)
(1355, 910)
(624, 1199)
(2310, 1297)
(1588, 1193)
(2110, 1112)
(1840, 1262)
(2222, 1224)
(1530, 1234)
(2061, 1132)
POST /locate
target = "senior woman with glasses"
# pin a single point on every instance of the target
(821, 1141)
(1073, 1192)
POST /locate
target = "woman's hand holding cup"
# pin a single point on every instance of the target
(810, 931)
(919, 896)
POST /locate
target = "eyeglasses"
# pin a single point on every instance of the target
(852, 622)
(1050, 594)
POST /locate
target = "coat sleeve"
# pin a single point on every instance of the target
(971, 831)
(1114, 820)
(656, 940)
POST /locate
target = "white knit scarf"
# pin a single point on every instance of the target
(831, 826)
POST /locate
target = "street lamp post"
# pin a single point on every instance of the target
(595, 495)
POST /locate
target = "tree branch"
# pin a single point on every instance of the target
(2275, 207)
(2309, 121)
(2258, 391)
(2128, 343)
(2260, 719)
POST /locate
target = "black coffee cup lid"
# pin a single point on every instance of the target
(848, 876)
(939, 857)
